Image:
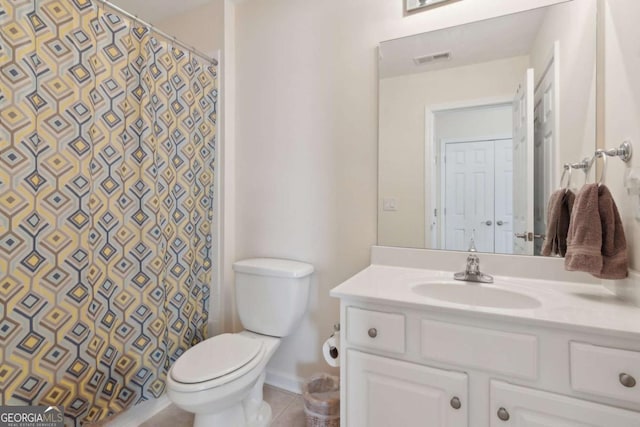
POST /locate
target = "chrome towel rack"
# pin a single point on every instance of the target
(624, 152)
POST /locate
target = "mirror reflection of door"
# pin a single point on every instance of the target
(477, 197)
(523, 166)
(545, 112)
(475, 178)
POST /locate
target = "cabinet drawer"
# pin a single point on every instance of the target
(601, 371)
(496, 351)
(376, 330)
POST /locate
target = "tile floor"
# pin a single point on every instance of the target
(287, 409)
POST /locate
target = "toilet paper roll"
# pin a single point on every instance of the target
(331, 351)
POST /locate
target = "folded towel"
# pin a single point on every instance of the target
(550, 245)
(596, 242)
(584, 240)
(558, 220)
(615, 264)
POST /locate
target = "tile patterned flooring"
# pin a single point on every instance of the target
(287, 409)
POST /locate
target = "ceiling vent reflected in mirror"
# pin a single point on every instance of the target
(426, 59)
(416, 5)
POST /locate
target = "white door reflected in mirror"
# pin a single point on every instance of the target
(475, 202)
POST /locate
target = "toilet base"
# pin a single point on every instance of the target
(263, 418)
(235, 417)
(252, 411)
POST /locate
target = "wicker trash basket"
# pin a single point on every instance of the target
(321, 394)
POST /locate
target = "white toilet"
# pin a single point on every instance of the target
(221, 378)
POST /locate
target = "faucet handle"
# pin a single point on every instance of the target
(472, 242)
(473, 264)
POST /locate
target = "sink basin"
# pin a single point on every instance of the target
(475, 294)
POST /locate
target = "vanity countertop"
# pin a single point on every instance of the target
(585, 307)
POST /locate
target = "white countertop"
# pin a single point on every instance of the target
(586, 307)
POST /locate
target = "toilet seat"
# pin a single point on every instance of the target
(217, 360)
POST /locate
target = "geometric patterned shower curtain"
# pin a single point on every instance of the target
(107, 145)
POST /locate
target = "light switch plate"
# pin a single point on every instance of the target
(389, 205)
(632, 184)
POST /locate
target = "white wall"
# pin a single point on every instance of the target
(201, 27)
(402, 128)
(622, 108)
(306, 139)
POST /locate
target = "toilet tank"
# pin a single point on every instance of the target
(271, 294)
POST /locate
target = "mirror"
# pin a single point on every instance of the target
(476, 123)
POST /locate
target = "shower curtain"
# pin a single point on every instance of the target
(107, 147)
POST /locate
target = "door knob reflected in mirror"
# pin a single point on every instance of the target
(501, 222)
(488, 222)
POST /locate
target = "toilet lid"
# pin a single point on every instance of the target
(215, 357)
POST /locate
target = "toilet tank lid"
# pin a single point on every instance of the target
(273, 267)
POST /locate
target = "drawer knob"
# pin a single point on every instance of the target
(455, 403)
(373, 332)
(503, 414)
(627, 380)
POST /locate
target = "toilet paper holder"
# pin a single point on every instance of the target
(333, 351)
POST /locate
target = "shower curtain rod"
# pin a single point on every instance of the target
(158, 31)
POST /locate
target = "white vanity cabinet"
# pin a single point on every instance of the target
(407, 366)
(385, 392)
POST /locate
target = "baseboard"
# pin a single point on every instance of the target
(286, 382)
(140, 413)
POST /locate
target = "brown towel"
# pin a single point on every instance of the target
(584, 241)
(550, 245)
(558, 219)
(615, 264)
(596, 242)
(565, 219)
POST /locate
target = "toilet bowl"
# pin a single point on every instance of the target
(220, 380)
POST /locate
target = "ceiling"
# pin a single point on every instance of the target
(492, 39)
(154, 11)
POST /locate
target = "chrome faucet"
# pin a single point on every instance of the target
(472, 271)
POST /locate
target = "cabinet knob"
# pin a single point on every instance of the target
(455, 403)
(627, 380)
(373, 332)
(503, 414)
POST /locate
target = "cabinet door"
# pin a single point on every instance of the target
(383, 392)
(513, 406)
